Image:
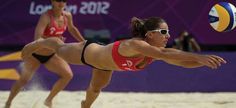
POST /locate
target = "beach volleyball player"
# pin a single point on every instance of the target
(148, 44)
(51, 24)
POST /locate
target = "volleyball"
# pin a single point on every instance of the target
(222, 17)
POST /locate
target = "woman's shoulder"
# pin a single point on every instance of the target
(45, 16)
(67, 13)
(136, 41)
(46, 13)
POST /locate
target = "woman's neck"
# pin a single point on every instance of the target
(151, 42)
(57, 13)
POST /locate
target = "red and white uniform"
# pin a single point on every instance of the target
(127, 63)
(52, 30)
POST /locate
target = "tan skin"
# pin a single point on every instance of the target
(31, 64)
(152, 46)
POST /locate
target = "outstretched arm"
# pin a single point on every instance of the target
(186, 64)
(173, 55)
(212, 59)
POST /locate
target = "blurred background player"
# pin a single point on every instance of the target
(52, 23)
(186, 42)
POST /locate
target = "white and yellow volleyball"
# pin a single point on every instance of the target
(222, 17)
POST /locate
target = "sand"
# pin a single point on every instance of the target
(68, 99)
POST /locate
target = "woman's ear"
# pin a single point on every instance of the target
(149, 35)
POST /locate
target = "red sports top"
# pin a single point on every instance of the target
(52, 30)
(127, 63)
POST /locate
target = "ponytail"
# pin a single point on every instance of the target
(137, 27)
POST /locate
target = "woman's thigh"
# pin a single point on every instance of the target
(59, 66)
(100, 78)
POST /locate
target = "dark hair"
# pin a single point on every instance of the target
(140, 27)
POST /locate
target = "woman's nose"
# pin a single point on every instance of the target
(167, 36)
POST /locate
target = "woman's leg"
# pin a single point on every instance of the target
(29, 66)
(50, 43)
(100, 79)
(62, 69)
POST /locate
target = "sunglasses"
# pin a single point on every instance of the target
(162, 31)
(61, 1)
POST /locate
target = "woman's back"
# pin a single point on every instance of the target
(100, 56)
(115, 56)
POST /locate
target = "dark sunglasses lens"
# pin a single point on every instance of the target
(164, 32)
(60, 0)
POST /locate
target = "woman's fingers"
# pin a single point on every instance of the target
(211, 61)
(204, 60)
(219, 59)
(215, 61)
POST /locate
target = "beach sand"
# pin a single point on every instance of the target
(72, 99)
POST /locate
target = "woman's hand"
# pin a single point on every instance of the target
(211, 61)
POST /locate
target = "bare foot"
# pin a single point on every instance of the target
(48, 104)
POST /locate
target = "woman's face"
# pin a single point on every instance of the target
(58, 4)
(160, 36)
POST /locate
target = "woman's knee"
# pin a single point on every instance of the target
(100, 85)
(67, 75)
(24, 81)
(70, 75)
(26, 73)
(95, 89)
(101, 78)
